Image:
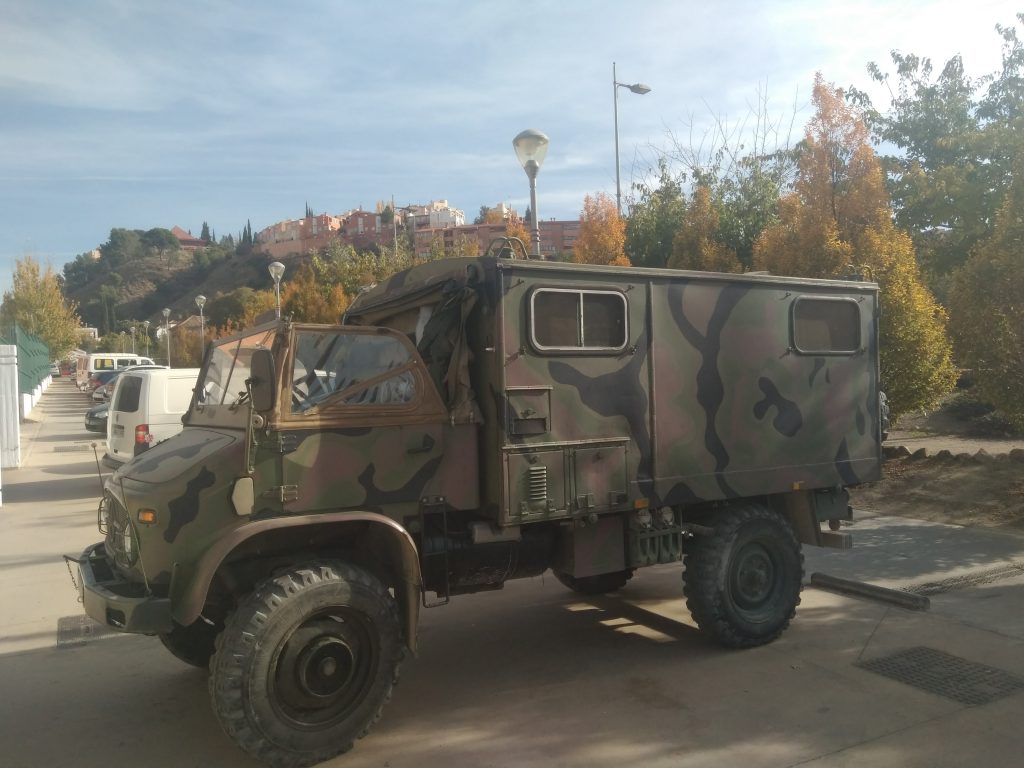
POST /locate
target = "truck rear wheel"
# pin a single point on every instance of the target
(742, 582)
(306, 663)
(595, 585)
(193, 644)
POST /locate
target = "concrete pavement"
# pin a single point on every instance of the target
(533, 675)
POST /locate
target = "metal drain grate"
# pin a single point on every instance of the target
(945, 675)
(75, 631)
(71, 448)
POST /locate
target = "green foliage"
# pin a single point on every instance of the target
(988, 311)
(36, 302)
(655, 218)
(957, 140)
(204, 235)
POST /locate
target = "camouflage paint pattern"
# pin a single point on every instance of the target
(709, 400)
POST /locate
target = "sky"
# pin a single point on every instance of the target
(136, 114)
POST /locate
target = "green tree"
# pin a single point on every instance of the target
(655, 218)
(839, 214)
(204, 235)
(988, 312)
(957, 140)
(36, 302)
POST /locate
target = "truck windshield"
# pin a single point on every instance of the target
(223, 382)
(350, 369)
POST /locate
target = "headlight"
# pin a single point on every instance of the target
(129, 545)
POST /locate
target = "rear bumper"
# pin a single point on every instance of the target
(116, 602)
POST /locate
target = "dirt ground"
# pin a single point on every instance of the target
(972, 475)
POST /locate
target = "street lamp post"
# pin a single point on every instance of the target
(531, 147)
(641, 89)
(200, 301)
(121, 334)
(167, 333)
(145, 330)
(133, 339)
(277, 272)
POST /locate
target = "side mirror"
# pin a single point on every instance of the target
(263, 379)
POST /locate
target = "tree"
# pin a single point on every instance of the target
(838, 214)
(481, 217)
(655, 218)
(695, 245)
(517, 228)
(987, 309)
(309, 211)
(957, 140)
(204, 235)
(310, 300)
(602, 236)
(36, 303)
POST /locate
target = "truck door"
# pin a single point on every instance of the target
(362, 425)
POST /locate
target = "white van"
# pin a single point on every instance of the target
(95, 362)
(146, 408)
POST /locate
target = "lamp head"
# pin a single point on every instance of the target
(276, 270)
(639, 88)
(531, 147)
(200, 301)
(165, 312)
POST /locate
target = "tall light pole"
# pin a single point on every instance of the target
(145, 330)
(167, 333)
(133, 339)
(200, 301)
(635, 88)
(277, 272)
(531, 147)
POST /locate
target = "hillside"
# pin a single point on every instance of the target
(133, 280)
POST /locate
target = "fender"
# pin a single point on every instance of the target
(188, 593)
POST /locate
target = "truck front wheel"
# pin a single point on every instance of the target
(306, 663)
(742, 582)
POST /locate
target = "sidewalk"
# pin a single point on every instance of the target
(49, 509)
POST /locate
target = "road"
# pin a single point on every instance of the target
(533, 675)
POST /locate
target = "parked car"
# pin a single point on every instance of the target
(98, 379)
(96, 418)
(105, 390)
(91, 364)
(146, 408)
(55, 370)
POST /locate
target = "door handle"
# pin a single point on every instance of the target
(425, 447)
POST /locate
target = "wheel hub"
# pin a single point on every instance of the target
(325, 666)
(754, 576)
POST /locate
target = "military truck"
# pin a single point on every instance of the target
(472, 421)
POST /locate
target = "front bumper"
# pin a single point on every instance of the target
(116, 602)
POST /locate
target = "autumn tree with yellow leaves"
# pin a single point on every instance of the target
(839, 214)
(696, 245)
(602, 236)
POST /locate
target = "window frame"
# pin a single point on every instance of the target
(582, 349)
(818, 352)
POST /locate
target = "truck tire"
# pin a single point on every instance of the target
(595, 585)
(306, 663)
(742, 582)
(193, 644)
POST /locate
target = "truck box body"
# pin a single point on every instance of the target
(598, 387)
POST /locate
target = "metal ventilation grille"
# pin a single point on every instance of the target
(538, 482)
(945, 675)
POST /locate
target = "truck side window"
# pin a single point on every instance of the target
(361, 369)
(564, 319)
(826, 325)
